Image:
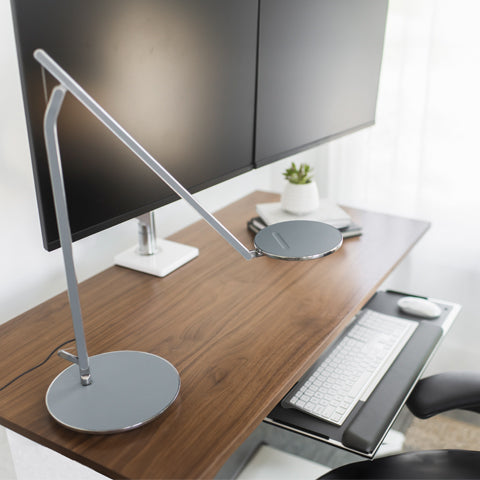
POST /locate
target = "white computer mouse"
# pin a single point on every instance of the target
(420, 307)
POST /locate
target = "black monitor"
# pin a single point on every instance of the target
(179, 76)
(210, 88)
(318, 72)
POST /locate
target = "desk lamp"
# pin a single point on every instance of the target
(131, 388)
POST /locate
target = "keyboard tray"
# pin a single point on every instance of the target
(368, 423)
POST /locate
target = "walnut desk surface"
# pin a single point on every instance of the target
(239, 332)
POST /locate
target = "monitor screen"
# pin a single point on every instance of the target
(210, 88)
(178, 75)
(318, 72)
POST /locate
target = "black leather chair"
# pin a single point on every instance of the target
(432, 395)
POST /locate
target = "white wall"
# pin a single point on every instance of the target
(29, 274)
(421, 159)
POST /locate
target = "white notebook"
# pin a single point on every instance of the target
(328, 212)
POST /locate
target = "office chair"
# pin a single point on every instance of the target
(432, 395)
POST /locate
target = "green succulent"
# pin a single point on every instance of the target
(299, 176)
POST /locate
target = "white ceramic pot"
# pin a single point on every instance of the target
(300, 199)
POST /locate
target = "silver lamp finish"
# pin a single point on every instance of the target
(298, 240)
(130, 388)
(53, 154)
(112, 402)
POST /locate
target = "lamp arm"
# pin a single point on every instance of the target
(85, 99)
(61, 212)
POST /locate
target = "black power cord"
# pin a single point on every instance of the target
(37, 366)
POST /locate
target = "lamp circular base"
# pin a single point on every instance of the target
(129, 389)
(298, 240)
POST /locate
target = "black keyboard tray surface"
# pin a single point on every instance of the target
(369, 422)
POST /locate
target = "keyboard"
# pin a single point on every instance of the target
(353, 368)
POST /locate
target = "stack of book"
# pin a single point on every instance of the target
(328, 212)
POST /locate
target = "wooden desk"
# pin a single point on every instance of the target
(240, 334)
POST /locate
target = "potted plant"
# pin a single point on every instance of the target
(300, 195)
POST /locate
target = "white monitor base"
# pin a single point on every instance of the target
(170, 256)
